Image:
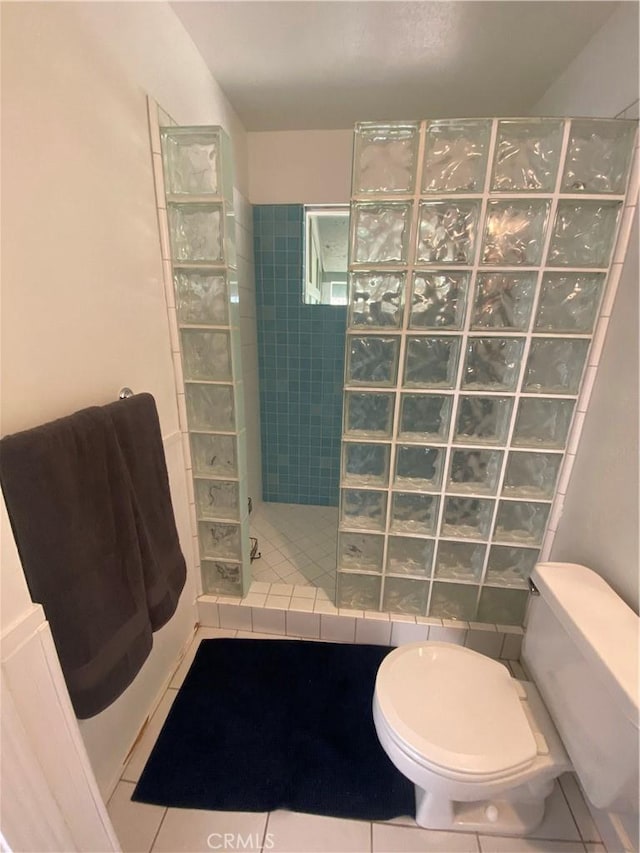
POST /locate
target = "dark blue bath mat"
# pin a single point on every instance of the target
(276, 724)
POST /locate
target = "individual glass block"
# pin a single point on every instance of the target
(216, 499)
(359, 592)
(196, 232)
(366, 464)
(220, 577)
(438, 300)
(210, 407)
(527, 154)
(424, 417)
(502, 606)
(380, 232)
(514, 232)
(455, 156)
(372, 360)
(385, 158)
(447, 232)
(214, 455)
(201, 298)
(453, 601)
(368, 414)
(492, 364)
(503, 300)
(206, 354)
(483, 420)
(569, 301)
(413, 513)
(520, 521)
(409, 556)
(599, 156)
(474, 471)
(555, 365)
(403, 595)
(462, 561)
(510, 566)
(360, 551)
(376, 299)
(363, 508)
(191, 161)
(531, 475)
(543, 423)
(219, 540)
(583, 233)
(431, 362)
(467, 518)
(418, 467)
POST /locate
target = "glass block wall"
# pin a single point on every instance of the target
(478, 261)
(198, 180)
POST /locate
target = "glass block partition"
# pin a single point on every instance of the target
(198, 179)
(478, 262)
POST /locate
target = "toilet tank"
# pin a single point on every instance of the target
(581, 650)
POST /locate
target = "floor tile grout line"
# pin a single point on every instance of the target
(573, 817)
(155, 837)
(264, 834)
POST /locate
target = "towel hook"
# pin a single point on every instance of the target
(124, 393)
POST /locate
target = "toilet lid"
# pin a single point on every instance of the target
(457, 709)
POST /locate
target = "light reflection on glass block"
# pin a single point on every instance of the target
(527, 154)
(220, 577)
(403, 595)
(531, 475)
(210, 407)
(418, 467)
(366, 464)
(385, 158)
(376, 299)
(503, 300)
(520, 521)
(196, 232)
(455, 156)
(407, 556)
(368, 414)
(483, 420)
(467, 518)
(447, 232)
(219, 540)
(511, 566)
(543, 423)
(214, 455)
(555, 365)
(583, 233)
(599, 156)
(453, 601)
(474, 471)
(569, 301)
(216, 499)
(206, 354)
(372, 360)
(431, 362)
(438, 300)
(413, 513)
(425, 417)
(462, 561)
(380, 232)
(358, 592)
(363, 508)
(191, 161)
(360, 551)
(502, 606)
(492, 364)
(201, 298)
(514, 232)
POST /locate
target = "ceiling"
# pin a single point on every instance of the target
(288, 65)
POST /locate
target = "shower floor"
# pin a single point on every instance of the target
(297, 543)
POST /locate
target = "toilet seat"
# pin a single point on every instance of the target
(455, 711)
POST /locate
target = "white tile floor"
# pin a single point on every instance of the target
(297, 544)
(567, 827)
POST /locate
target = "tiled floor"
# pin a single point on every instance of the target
(567, 827)
(297, 544)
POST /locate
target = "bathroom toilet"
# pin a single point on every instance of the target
(482, 748)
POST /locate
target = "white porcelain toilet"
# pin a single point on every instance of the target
(483, 749)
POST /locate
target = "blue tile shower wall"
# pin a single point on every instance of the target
(301, 365)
